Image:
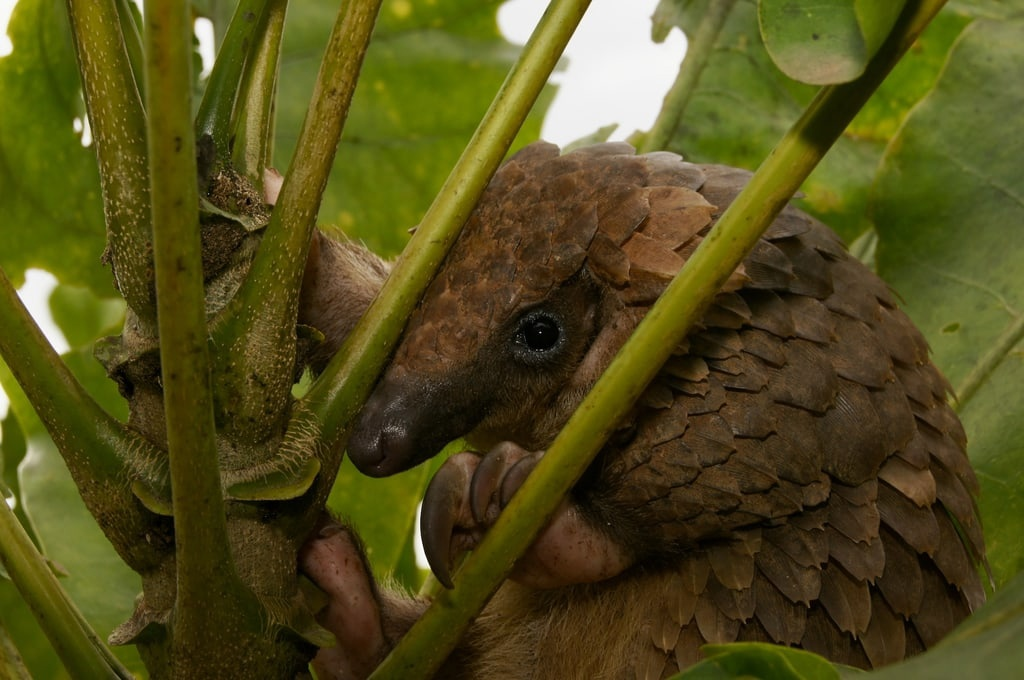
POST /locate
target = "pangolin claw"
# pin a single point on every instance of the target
(446, 507)
(493, 485)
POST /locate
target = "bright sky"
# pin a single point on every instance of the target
(615, 75)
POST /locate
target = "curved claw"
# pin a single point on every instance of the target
(444, 508)
(490, 490)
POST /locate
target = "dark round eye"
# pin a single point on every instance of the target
(539, 332)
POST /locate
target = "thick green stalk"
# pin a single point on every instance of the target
(339, 393)
(78, 647)
(207, 585)
(261, 318)
(118, 129)
(254, 111)
(217, 107)
(698, 50)
(681, 305)
(85, 434)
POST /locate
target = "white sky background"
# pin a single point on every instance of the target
(616, 74)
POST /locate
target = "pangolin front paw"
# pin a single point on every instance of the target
(467, 495)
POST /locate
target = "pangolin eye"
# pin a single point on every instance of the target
(539, 332)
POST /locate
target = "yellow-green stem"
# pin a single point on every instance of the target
(218, 104)
(78, 647)
(254, 110)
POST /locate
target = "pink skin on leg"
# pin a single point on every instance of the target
(333, 560)
(470, 491)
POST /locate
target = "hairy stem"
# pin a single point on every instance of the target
(698, 50)
(438, 630)
(118, 129)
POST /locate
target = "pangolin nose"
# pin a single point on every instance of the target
(381, 444)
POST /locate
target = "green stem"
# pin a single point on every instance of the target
(83, 430)
(698, 50)
(12, 667)
(118, 129)
(132, 43)
(337, 396)
(438, 630)
(981, 370)
(78, 646)
(254, 111)
(218, 104)
(263, 312)
(206, 580)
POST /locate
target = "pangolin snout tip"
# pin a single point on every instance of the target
(381, 445)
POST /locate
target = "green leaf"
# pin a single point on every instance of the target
(949, 207)
(82, 316)
(51, 212)
(823, 42)
(431, 72)
(743, 104)
(759, 660)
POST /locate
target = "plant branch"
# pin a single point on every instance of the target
(988, 362)
(254, 111)
(77, 645)
(118, 128)
(86, 435)
(207, 585)
(698, 50)
(263, 312)
(438, 630)
(218, 104)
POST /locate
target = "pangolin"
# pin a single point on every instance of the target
(794, 474)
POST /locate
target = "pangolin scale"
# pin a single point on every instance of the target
(794, 474)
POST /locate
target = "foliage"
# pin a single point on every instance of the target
(926, 171)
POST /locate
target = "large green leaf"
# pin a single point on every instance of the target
(825, 41)
(969, 298)
(744, 104)
(950, 214)
(431, 72)
(50, 216)
(758, 660)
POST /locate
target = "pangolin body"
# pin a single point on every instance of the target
(793, 475)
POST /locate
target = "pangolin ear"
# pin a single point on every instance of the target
(619, 324)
